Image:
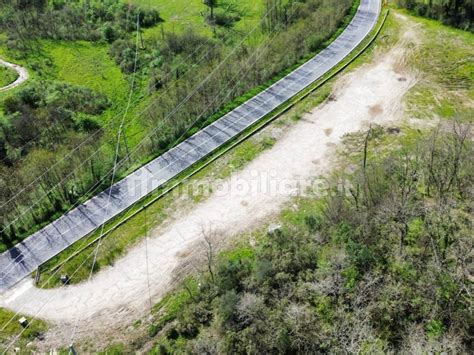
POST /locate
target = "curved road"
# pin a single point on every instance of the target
(22, 75)
(21, 260)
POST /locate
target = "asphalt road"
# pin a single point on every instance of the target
(21, 260)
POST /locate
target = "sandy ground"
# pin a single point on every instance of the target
(371, 94)
(22, 75)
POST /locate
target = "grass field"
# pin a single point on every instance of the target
(445, 60)
(87, 64)
(182, 15)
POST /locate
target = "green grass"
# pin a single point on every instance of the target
(245, 153)
(183, 15)
(88, 64)
(445, 62)
(168, 307)
(14, 328)
(7, 76)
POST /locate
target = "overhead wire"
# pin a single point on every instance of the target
(168, 74)
(114, 169)
(24, 329)
(199, 116)
(162, 122)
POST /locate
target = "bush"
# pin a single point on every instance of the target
(109, 34)
(224, 19)
(73, 20)
(49, 105)
(124, 55)
(86, 123)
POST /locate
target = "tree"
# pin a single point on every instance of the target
(211, 4)
(109, 34)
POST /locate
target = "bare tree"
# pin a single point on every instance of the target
(207, 236)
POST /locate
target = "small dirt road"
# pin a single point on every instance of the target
(22, 75)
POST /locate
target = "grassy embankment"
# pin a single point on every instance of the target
(128, 234)
(13, 328)
(410, 279)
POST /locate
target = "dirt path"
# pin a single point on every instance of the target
(372, 93)
(22, 75)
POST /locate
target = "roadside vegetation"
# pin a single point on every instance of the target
(170, 67)
(11, 328)
(7, 76)
(457, 13)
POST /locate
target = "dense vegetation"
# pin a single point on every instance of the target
(189, 79)
(7, 76)
(379, 265)
(458, 13)
(44, 114)
(107, 20)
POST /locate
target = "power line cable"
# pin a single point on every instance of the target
(114, 169)
(24, 329)
(197, 119)
(168, 116)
